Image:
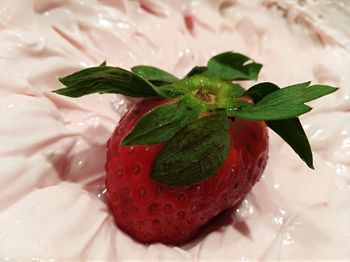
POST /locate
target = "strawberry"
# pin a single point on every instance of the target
(195, 146)
(153, 212)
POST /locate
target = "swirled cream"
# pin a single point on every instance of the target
(52, 147)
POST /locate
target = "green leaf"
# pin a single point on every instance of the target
(154, 75)
(160, 125)
(195, 153)
(233, 66)
(196, 70)
(259, 91)
(105, 79)
(281, 104)
(290, 130)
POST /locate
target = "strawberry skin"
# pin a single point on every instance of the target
(153, 212)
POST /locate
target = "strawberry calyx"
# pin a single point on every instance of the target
(193, 124)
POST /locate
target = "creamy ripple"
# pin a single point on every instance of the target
(52, 147)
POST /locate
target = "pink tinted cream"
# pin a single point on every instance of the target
(53, 148)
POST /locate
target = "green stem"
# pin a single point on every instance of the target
(222, 92)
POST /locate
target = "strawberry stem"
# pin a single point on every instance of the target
(203, 92)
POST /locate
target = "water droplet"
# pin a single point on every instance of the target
(136, 169)
(102, 194)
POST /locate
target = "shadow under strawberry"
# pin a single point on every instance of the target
(226, 218)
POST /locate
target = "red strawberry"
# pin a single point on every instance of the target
(152, 212)
(196, 146)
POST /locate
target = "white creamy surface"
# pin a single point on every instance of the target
(52, 147)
